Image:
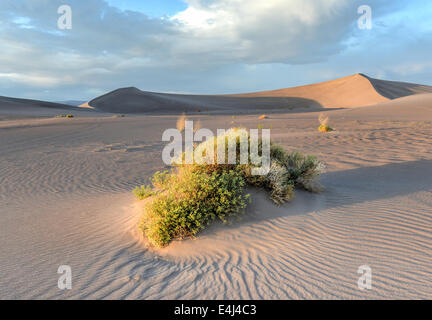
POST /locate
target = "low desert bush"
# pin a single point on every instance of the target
(190, 202)
(186, 199)
(324, 127)
(64, 116)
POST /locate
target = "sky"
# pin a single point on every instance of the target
(206, 46)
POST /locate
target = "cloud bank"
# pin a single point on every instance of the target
(212, 46)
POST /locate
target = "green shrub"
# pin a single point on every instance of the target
(191, 202)
(143, 192)
(69, 116)
(187, 199)
(159, 182)
(325, 128)
(303, 170)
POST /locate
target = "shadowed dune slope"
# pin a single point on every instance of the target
(15, 108)
(394, 89)
(133, 100)
(348, 92)
(6, 102)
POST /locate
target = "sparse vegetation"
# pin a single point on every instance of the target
(181, 122)
(261, 126)
(197, 126)
(190, 201)
(324, 127)
(65, 116)
(183, 201)
(144, 192)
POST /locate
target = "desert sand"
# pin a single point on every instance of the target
(65, 198)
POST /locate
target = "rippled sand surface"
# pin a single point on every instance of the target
(65, 200)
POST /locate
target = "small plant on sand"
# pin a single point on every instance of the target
(324, 127)
(64, 116)
(183, 201)
(197, 126)
(181, 121)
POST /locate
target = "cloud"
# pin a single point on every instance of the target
(212, 46)
(34, 80)
(257, 31)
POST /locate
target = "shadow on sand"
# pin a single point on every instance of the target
(345, 188)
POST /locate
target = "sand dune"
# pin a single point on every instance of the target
(133, 100)
(413, 107)
(348, 92)
(28, 103)
(14, 108)
(353, 91)
(394, 89)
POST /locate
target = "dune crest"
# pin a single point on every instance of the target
(348, 92)
(353, 91)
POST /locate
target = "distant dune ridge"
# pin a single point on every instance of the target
(353, 91)
(348, 92)
(6, 102)
(15, 108)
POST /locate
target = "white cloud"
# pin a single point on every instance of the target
(35, 80)
(256, 31)
(212, 46)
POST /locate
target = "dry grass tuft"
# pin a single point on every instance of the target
(181, 122)
(324, 126)
(197, 126)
